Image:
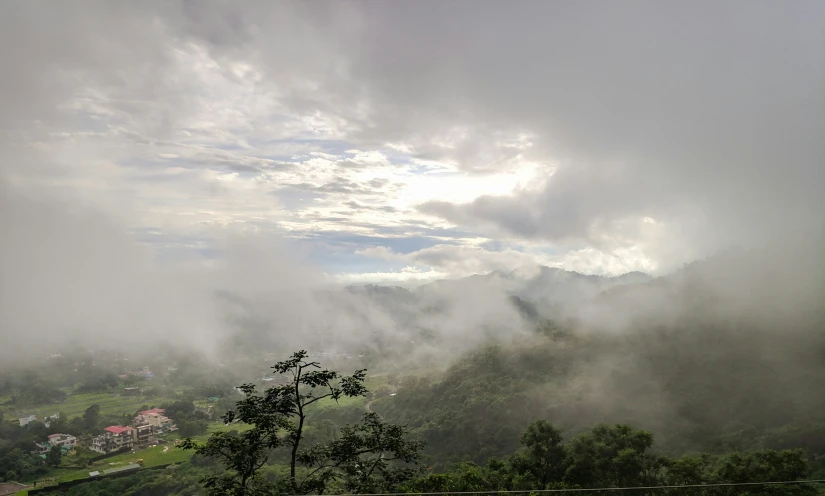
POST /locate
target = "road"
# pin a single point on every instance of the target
(368, 407)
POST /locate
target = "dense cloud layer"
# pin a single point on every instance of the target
(674, 129)
(388, 140)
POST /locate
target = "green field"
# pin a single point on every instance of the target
(152, 456)
(76, 404)
(112, 404)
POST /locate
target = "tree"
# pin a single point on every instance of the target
(188, 426)
(91, 417)
(179, 409)
(54, 456)
(364, 456)
(688, 470)
(612, 456)
(242, 455)
(764, 466)
(544, 455)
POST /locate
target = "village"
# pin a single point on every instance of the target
(143, 432)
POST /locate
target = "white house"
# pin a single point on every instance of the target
(47, 421)
(63, 440)
(27, 420)
(156, 418)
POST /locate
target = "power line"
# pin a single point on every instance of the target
(584, 490)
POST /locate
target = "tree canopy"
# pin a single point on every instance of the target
(372, 455)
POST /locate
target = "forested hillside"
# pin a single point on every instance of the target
(732, 361)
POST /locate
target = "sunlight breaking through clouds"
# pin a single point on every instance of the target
(564, 133)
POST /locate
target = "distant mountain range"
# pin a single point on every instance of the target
(451, 313)
(539, 291)
(461, 313)
(544, 286)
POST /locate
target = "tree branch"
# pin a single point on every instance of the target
(316, 398)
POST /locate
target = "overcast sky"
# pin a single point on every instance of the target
(408, 140)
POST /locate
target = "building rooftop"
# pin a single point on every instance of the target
(117, 429)
(133, 466)
(152, 410)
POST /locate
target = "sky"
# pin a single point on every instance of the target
(405, 141)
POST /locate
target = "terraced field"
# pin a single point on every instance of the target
(76, 404)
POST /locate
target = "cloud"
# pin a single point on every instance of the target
(405, 276)
(461, 260)
(651, 110)
(566, 126)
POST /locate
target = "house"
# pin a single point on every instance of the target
(131, 391)
(152, 411)
(41, 448)
(114, 438)
(27, 420)
(47, 421)
(62, 440)
(65, 442)
(156, 418)
(143, 433)
(145, 372)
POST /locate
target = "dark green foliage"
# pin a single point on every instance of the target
(618, 456)
(367, 458)
(189, 421)
(764, 465)
(612, 456)
(702, 385)
(688, 470)
(53, 457)
(371, 455)
(174, 481)
(479, 408)
(179, 409)
(19, 465)
(91, 417)
(36, 391)
(99, 384)
(544, 454)
(192, 427)
(241, 455)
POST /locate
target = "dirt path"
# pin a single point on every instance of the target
(368, 407)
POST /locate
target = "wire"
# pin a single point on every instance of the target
(584, 490)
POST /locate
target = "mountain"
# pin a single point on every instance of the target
(551, 290)
(727, 353)
(446, 315)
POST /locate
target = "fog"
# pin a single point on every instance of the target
(71, 275)
(665, 135)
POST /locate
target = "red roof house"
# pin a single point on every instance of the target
(117, 429)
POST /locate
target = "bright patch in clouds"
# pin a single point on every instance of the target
(556, 138)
